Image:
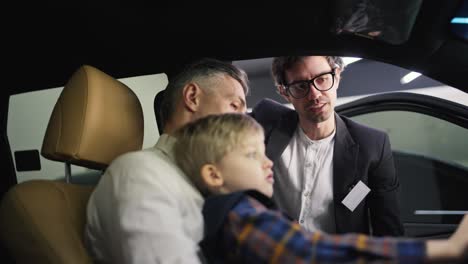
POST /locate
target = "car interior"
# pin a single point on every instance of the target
(95, 119)
(89, 49)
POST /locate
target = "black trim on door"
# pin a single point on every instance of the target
(413, 168)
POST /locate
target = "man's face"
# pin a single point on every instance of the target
(317, 106)
(226, 97)
(247, 167)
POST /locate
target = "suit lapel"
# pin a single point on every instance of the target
(281, 134)
(345, 156)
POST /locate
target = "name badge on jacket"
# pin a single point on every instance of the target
(355, 196)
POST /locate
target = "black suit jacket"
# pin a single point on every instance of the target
(360, 153)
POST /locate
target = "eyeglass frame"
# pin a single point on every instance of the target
(311, 81)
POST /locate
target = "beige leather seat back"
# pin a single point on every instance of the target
(95, 119)
(43, 222)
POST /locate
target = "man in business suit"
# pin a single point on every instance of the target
(325, 164)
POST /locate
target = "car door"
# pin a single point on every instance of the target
(429, 138)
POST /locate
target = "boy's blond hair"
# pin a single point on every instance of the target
(208, 139)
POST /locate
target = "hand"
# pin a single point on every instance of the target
(456, 247)
(459, 239)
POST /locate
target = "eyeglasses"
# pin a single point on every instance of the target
(300, 89)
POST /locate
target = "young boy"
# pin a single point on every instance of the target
(224, 155)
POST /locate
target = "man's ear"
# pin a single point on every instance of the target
(191, 96)
(282, 91)
(211, 176)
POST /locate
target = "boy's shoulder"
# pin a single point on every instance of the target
(217, 203)
(217, 207)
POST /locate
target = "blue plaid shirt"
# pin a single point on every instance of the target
(252, 233)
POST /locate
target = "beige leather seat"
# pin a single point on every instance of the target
(95, 119)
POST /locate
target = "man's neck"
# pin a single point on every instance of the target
(317, 131)
(178, 120)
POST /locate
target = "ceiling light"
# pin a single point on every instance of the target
(460, 20)
(349, 60)
(409, 77)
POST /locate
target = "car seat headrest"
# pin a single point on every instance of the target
(95, 119)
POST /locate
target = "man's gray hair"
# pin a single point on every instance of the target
(201, 71)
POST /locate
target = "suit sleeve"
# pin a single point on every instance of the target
(383, 203)
(259, 113)
(267, 112)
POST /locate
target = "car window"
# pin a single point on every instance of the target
(29, 113)
(361, 77)
(431, 160)
(421, 134)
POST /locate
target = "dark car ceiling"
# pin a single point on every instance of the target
(46, 43)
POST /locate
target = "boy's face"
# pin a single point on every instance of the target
(247, 167)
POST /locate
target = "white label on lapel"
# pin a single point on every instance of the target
(355, 196)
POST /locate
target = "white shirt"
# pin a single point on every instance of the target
(145, 210)
(304, 181)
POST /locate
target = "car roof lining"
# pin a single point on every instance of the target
(126, 40)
